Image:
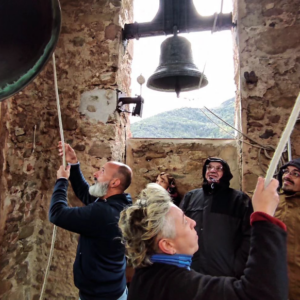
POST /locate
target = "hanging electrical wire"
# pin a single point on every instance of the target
(260, 146)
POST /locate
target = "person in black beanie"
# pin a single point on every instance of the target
(222, 217)
(289, 211)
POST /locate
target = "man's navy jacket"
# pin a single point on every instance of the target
(99, 268)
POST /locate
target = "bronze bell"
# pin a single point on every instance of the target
(29, 31)
(176, 71)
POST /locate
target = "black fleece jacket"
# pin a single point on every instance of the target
(99, 268)
(265, 275)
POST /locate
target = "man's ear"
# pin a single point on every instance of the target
(166, 246)
(115, 183)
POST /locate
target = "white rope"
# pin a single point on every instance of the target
(33, 145)
(61, 131)
(212, 31)
(64, 164)
(210, 43)
(283, 140)
(289, 148)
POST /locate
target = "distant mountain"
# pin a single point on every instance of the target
(186, 123)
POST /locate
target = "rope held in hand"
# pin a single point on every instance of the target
(64, 164)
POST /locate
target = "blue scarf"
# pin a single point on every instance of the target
(179, 260)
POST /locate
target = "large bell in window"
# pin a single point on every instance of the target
(29, 31)
(176, 71)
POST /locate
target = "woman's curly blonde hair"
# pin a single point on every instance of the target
(144, 223)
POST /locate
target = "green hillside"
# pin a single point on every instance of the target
(186, 123)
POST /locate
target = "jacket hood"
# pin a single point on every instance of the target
(294, 163)
(227, 176)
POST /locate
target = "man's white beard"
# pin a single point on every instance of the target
(99, 189)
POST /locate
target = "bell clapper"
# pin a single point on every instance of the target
(177, 87)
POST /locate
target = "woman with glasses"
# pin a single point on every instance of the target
(222, 217)
(289, 211)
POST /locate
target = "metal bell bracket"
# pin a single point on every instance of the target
(180, 13)
(138, 101)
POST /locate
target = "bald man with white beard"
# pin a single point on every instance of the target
(99, 267)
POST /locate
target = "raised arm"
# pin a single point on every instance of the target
(265, 275)
(79, 184)
(76, 219)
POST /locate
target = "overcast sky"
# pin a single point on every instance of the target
(216, 50)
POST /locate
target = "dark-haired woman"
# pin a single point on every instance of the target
(168, 183)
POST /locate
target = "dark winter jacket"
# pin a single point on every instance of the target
(222, 218)
(288, 211)
(99, 268)
(265, 275)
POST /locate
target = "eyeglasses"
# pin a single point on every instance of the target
(293, 173)
(210, 168)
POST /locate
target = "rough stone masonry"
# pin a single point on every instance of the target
(267, 66)
(91, 64)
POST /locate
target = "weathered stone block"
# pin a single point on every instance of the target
(69, 123)
(268, 133)
(111, 31)
(79, 147)
(256, 110)
(12, 248)
(276, 41)
(274, 119)
(3, 263)
(284, 102)
(27, 247)
(14, 218)
(182, 159)
(5, 286)
(22, 273)
(78, 41)
(19, 131)
(26, 232)
(100, 150)
(21, 257)
(12, 228)
(255, 124)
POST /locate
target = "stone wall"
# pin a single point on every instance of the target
(182, 158)
(91, 65)
(268, 65)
